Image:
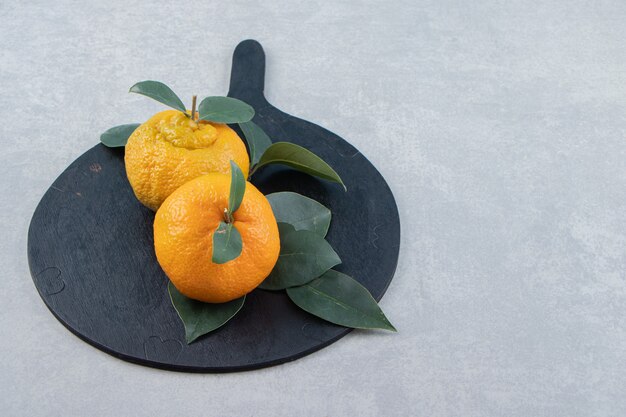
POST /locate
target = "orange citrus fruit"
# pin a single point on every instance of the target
(183, 239)
(170, 149)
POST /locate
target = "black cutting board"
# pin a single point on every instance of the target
(91, 256)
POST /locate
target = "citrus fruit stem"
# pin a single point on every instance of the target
(193, 107)
(228, 218)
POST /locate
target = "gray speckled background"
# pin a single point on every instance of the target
(501, 129)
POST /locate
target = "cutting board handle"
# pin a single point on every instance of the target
(247, 78)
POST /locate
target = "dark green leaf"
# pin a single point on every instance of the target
(257, 140)
(201, 318)
(160, 92)
(284, 229)
(303, 257)
(299, 158)
(225, 110)
(237, 188)
(300, 211)
(337, 298)
(226, 243)
(118, 136)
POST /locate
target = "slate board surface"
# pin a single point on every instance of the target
(91, 256)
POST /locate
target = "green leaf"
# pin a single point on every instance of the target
(201, 318)
(284, 229)
(226, 243)
(338, 298)
(299, 158)
(257, 140)
(302, 212)
(304, 256)
(160, 92)
(225, 110)
(237, 188)
(118, 136)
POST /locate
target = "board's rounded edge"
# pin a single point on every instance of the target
(173, 367)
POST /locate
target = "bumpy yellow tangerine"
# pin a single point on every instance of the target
(170, 149)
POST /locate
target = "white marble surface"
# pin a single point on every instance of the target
(499, 126)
